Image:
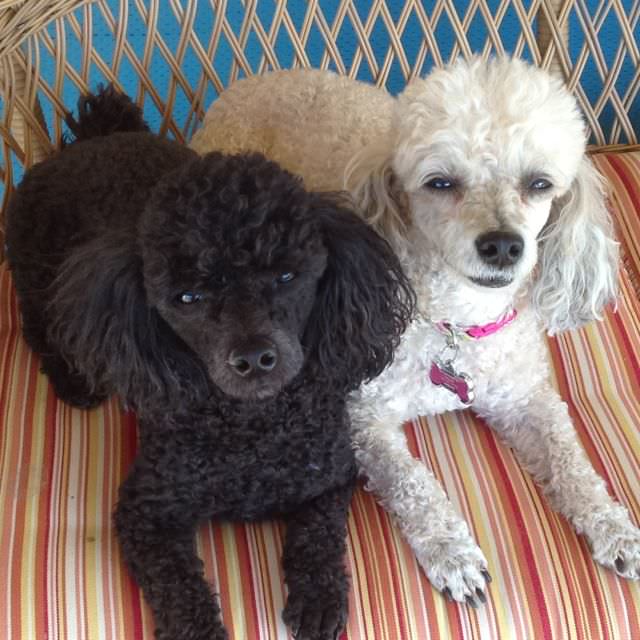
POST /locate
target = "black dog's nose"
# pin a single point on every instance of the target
(500, 248)
(254, 357)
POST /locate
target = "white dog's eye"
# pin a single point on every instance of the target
(540, 184)
(188, 297)
(440, 183)
(283, 278)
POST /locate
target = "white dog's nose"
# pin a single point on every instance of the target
(500, 248)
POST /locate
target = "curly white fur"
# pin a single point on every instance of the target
(491, 131)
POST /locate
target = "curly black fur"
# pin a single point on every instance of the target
(145, 270)
(103, 113)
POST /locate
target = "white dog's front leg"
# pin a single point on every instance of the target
(438, 536)
(540, 431)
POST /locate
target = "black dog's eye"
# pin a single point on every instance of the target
(440, 183)
(540, 184)
(285, 277)
(188, 297)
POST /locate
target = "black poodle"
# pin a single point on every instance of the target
(235, 312)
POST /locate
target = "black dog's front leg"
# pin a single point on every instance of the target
(158, 543)
(314, 566)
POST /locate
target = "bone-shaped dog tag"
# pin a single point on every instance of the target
(442, 374)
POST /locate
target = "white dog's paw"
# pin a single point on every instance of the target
(617, 546)
(457, 568)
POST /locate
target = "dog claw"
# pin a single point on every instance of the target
(446, 592)
(487, 577)
(481, 596)
(471, 602)
(620, 564)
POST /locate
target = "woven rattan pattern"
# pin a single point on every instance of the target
(36, 67)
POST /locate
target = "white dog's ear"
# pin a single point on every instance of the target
(578, 256)
(376, 192)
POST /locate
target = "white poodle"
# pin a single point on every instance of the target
(478, 177)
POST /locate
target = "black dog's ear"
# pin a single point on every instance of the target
(105, 329)
(364, 301)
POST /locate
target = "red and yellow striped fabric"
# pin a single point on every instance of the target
(62, 577)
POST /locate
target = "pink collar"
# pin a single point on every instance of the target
(477, 331)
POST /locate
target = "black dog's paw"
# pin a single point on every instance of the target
(70, 386)
(74, 392)
(318, 616)
(192, 631)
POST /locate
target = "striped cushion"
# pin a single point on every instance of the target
(62, 577)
